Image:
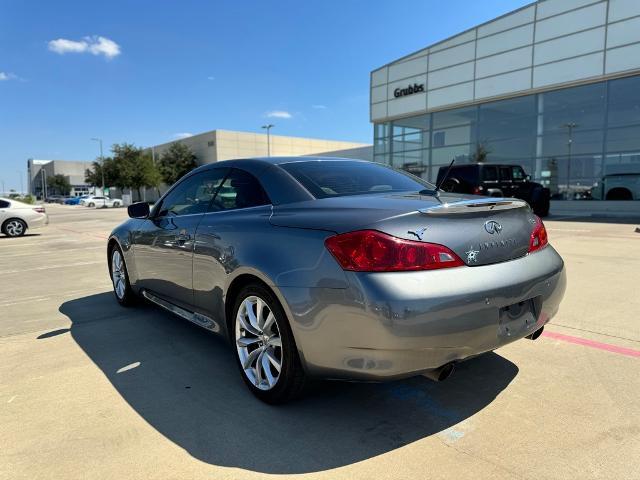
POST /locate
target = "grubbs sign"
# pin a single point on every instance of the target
(410, 90)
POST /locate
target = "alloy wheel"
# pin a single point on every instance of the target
(118, 274)
(14, 228)
(258, 342)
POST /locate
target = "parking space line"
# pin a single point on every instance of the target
(101, 237)
(49, 267)
(593, 344)
(58, 251)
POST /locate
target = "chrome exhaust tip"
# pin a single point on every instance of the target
(535, 335)
(442, 373)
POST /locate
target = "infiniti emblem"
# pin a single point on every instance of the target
(492, 227)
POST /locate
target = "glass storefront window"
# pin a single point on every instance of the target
(623, 139)
(508, 119)
(602, 121)
(454, 118)
(443, 156)
(453, 136)
(624, 102)
(583, 106)
(504, 151)
(557, 143)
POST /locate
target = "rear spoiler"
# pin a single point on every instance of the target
(470, 206)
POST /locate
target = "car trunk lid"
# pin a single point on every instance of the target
(479, 230)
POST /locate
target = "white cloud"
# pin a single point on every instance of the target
(319, 107)
(7, 76)
(182, 135)
(94, 45)
(211, 78)
(279, 114)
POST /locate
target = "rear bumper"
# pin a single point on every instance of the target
(38, 222)
(393, 325)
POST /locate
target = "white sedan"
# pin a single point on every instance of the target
(17, 217)
(101, 202)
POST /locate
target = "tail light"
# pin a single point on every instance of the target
(538, 237)
(39, 209)
(476, 190)
(373, 251)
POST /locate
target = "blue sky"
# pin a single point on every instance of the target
(147, 71)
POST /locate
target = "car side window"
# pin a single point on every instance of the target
(505, 173)
(518, 173)
(489, 174)
(239, 190)
(4, 204)
(193, 194)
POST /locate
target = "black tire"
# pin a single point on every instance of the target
(452, 185)
(124, 295)
(292, 379)
(92, 204)
(14, 227)
(619, 193)
(542, 209)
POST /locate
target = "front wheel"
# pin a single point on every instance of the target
(120, 279)
(267, 354)
(116, 204)
(14, 228)
(92, 205)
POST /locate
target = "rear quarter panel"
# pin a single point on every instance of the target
(232, 243)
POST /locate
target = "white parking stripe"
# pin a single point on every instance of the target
(44, 252)
(50, 267)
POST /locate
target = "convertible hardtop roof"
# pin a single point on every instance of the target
(278, 160)
(279, 185)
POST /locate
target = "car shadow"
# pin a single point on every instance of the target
(5, 237)
(184, 382)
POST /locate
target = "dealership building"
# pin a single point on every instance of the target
(553, 86)
(217, 145)
(39, 171)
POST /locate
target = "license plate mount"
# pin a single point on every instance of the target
(517, 319)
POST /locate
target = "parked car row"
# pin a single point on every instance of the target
(100, 201)
(97, 201)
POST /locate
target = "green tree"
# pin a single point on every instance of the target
(481, 153)
(60, 184)
(128, 167)
(175, 162)
(134, 168)
(93, 175)
(144, 174)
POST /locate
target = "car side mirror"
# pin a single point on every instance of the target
(528, 178)
(138, 210)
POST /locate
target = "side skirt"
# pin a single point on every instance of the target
(197, 318)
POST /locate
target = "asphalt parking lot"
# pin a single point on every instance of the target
(91, 390)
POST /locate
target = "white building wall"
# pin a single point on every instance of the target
(218, 145)
(545, 45)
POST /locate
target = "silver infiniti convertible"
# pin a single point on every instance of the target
(338, 268)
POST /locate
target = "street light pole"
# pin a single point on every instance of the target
(268, 128)
(101, 161)
(570, 126)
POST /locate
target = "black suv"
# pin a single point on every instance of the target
(496, 180)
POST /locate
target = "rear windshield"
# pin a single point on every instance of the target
(327, 178)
